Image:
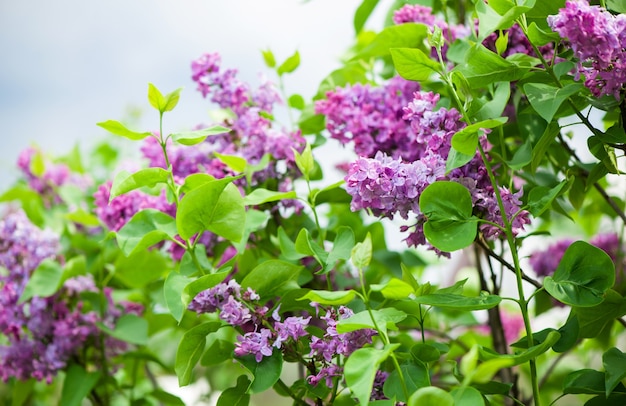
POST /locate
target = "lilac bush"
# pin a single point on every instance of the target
(227, 254)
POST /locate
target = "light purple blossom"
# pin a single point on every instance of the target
(255, 343)
(598, 40)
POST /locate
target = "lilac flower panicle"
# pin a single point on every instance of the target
(255, 343)
(598, 40)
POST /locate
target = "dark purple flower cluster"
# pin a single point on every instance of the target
(116, 213)
(598, 39)
(253, 136)
(387, 186)
(545, 262)
(45, 177)
(42, 334)
(324, 349)
(370, 116)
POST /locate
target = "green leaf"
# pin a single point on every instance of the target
(130, 328)
(593, 320)
(425, 353)
(77, 385)
(522, 157)
(614, 362)
(459, 302)
(146, 228)
(160, 102)
(44, 282)
(466, 139)
(268, 57)
(362, 14)
(307, 246)
(342, 248)
(22, 391)
(540, 37)
(261, 196)
(173, 288)
(409, 35)
(125, 182)
(483, 67)
(234, 162)
(289, 65)
(236, 396)
(361, 254)
(266, 373)
(305, 161)
(587, 381)
(198, 136)
(413, 63)
(216, 206)
(495, 16)
(333, 298)
(118, 128)
(457, 159)
(31, 202)
(360, 369)
(448, 207)
(415, 376)
(431, 395)
(219, 351)
(395, 289)
(296, 101)
(546, 99)
(385, 318)
(272, 278)
(540, 198)
(583, 276)
(467, 396)
(190, 350)
(616, 5)
(540, 149)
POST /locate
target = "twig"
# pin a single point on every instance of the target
(501, 260)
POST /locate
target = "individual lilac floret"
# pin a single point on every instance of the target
(121, 209)
(327, 373)
(369, 116)
(292, 327)
(598, 40)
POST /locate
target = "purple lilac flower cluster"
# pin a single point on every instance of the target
(253, 136)
(545, 262)
(598, 40)
(387, 185)
(369, 117)
(43, 333)
(422, 14)
(116, 213)
(53, 175)
(324, 349)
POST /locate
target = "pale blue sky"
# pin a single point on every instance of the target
(67, 64)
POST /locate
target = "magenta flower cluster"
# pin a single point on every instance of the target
(388, 185)
(598, 39)
(253, 134)
(42, 334)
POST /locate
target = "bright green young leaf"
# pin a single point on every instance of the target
(261, 196)
(236, 396)
(333, 298)
(409, 35)
(342, 248)
(360, 370)
(394, 289)
(546, 99)
(540, 37)
(541, 197)
(125, 182)
(77, 385)
(431, 395)
(162, 103)
(173, 289)
(191, 348)
(583, 276)
(37, 164)
(307, 246)
(384, 318)
(141, 268)
(272, 278)
(31, 202)
(289, 65)
(616, 5)
(361, 254)
(541, 147)
(467, 396)
(296, 101)
(448, 207)
(146, 228)
(305, 161)
(415, 376)
(118, 128)
(466, 139)
(195, 180)
(266, 373)
(459, 302)
(483, 67)
(268, 57)
(255, 220)
(44, 282)
(198, 136)
(363, 13)
(457, 159)
(215, 206)
(130, 328)
(495, 106)
(496, 16)
(413, 63)
(614, 362)
(287, 247)
(234, 162)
